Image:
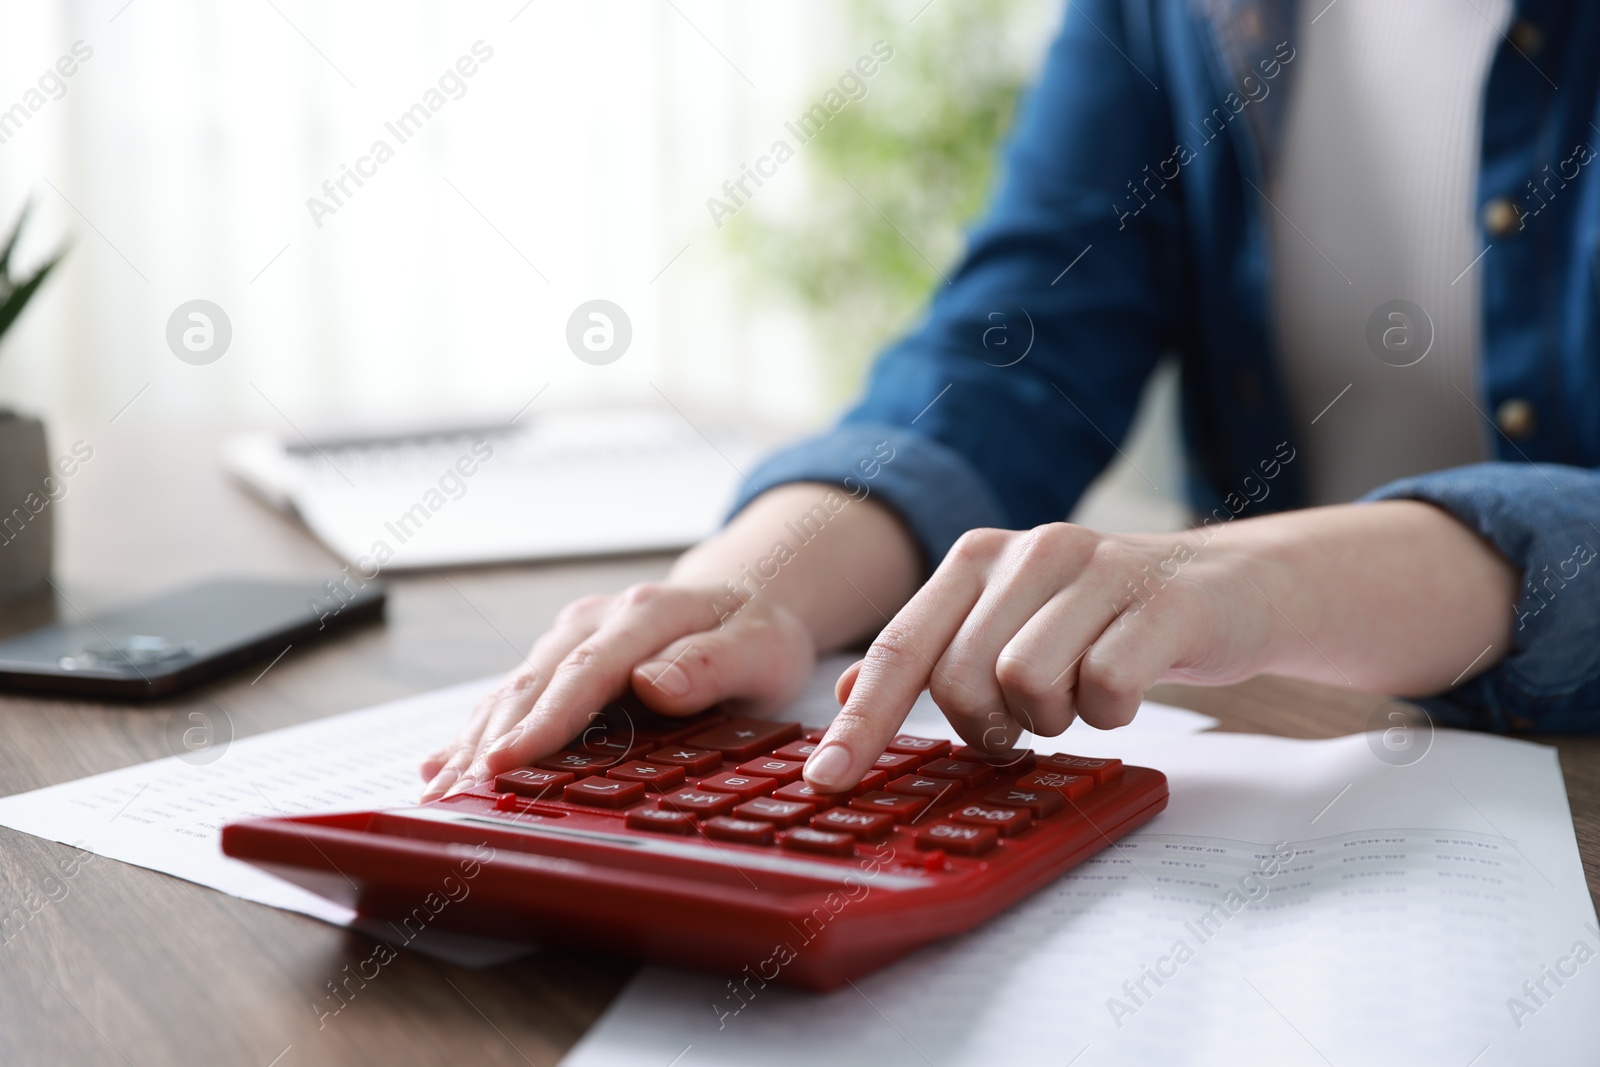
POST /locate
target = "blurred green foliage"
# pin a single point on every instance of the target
(893, 179)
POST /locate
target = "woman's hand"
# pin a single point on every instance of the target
(728, 625)
(677, 647)
(1027, 630)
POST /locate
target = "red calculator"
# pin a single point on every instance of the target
(694, 841)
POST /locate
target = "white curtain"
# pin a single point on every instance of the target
(573, 162)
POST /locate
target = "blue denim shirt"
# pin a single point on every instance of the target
(1130, 222)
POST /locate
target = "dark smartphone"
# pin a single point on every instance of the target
(159, 646)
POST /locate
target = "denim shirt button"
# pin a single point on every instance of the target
(1516, 418)
(1526, 38)
(1499, 217)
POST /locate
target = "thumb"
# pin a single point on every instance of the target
(847, 682)
(764, 664)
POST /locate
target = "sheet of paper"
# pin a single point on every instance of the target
(167, 814)
(1433, 913)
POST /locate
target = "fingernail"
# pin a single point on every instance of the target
(470, 780)
(441, 781)
(828, 765)
(667, 677)
(510, 738)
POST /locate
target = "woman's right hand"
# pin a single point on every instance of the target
(676, 646)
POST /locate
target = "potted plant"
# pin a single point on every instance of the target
(27, 523)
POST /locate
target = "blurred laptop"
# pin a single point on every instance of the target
(553, 485)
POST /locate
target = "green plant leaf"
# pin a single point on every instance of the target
(14, 300)
(11, 244)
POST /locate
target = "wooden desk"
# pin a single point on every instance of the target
(134, 967)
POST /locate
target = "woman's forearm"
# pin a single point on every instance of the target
(1396, 597)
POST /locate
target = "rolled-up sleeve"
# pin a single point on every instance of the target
(1545, 519)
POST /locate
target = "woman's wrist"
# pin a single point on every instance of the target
(839, 565)
(1396, 596)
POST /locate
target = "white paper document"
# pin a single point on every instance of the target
(1299, 902)
(167, 814)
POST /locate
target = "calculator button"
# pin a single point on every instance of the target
(870, 781)
(1013, 761)
(1039, 802)
(804, 794)
(743, 786)
(867, 825)
(739, 739)
(604, 793)
(797, 750)
(895, 764)
(692, 760)
(915, 785)
(1009, 821)
(532, 782)
(617, 747)
(901, 808)
(661, 820)
(1071, 786)
(657, 777)
(959, 838)
(784, 770)
(814, 733)
(580, 764)
(1101, 770)
(968, 772)
(693, 800)
(781, 813)
(824, 841)
(744, 831)
(926, 747)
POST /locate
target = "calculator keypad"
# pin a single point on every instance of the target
(740, 782)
